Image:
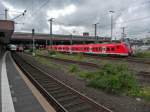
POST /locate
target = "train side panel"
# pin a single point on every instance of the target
(108, 49)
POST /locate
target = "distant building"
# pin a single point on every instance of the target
(146, 40)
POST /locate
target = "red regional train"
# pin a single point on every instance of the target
(120, 49)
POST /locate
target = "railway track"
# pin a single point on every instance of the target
(129, 59)
(142, 76)
(145, 76)
(72, 61)
(62, 97)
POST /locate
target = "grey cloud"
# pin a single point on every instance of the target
(88, 12)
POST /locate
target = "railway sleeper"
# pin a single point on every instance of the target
(82, 108)
(67, 98)
(50, 85)
(144, 80)
(58, 91)
(45, 81)
(62, 94)
(41, 78)
(76, 102)
(53, 89)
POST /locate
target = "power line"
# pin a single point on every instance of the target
(123, 9)
(38, 9)
(19, 15)
(129, 21)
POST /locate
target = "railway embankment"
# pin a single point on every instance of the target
(84, 81)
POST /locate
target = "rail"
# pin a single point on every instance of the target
(62, 97)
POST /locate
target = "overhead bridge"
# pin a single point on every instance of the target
(22, 38)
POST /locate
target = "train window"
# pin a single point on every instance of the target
(97, 49)
(108, 49)
(100, 49)
(94, 49)
(112, 49)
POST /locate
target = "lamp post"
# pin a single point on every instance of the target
(33, 43)
(111, 16)
(71, 39)
(95, 27)
(51, 31)
(6, 13)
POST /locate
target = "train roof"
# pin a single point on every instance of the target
(85, 45)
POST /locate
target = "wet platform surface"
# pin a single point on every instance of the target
(21, 96)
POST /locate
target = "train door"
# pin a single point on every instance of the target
(90, 49)
(104, 49)
(70, 49)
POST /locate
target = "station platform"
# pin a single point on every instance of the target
(16, 91)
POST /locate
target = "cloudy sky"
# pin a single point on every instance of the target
(78, 16)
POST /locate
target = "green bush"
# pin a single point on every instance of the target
(114, 79)
(73, 68)
(87, 75)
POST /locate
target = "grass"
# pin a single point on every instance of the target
(144, 54)
(116, 79)
(145, 93)
(73, 68)
(46, 62)
(112, 78)
(78, 57)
